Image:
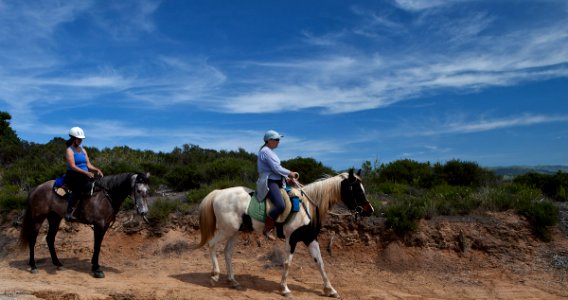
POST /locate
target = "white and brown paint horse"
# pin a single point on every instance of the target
(222, 213)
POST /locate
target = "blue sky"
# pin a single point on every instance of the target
(344, 81)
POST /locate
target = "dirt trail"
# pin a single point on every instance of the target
(144, 266)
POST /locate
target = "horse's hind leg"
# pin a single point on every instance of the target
(32, 238)
(220, 236)
(54, 220)
(31, 230)
(229, 246)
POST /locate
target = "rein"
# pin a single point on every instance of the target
(301, 188)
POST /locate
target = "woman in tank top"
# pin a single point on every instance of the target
(79, 169)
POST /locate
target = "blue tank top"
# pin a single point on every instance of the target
(80, 160)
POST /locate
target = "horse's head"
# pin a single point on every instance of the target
(353, 194)
(140, 190)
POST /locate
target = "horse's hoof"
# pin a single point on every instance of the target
(237, 286)
(98, 274)
(330, 292)
(287, 294)
(59, 268)
(33, 270)
(212, 282)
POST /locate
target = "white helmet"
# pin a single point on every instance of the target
(77, 132)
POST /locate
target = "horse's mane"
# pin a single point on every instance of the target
(111, 182)
(325, 192)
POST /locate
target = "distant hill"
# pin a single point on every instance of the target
(513, 171)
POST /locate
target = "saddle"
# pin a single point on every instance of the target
(61, 189)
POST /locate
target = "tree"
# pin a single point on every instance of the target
(10, 144)
(310, 170)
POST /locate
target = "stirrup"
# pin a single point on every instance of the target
(268, 234)
(69, 217)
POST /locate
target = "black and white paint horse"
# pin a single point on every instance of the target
(221, 215)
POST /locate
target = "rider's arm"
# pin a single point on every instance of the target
(90, 166)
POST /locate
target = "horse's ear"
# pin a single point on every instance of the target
(351, 173)
(359, 173)
(148, 174)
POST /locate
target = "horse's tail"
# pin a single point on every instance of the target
(207, 219)
(27, 224)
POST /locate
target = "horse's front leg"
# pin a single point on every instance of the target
(99, 233)
(54, 220)
(328, 289)
(289, 255)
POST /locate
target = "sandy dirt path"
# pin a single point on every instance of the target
(138, 266)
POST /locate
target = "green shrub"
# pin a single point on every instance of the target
(409, 172)
(403, 216)
(456, 172)
(451, 200)
(391, 188)
(228, 168)
(160, 210)
(12, 198)
(183, 178)
(196, 195)
(128, 204)
(541, 215)
(553, 186)
(376, 202)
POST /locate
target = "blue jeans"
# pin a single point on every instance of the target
(276, 198)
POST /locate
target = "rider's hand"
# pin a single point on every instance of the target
(293, 175)
(90, 174)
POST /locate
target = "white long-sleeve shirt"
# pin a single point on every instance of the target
(268, 166)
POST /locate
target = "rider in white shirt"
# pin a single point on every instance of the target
(271, 178)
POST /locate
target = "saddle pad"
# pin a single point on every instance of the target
(258, 209)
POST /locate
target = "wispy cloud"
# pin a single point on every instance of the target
(418, 5)
(466, 54)
(481, 125)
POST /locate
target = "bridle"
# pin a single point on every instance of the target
(350, 194)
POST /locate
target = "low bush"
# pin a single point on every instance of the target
(402, 216)
(12, 198)
(161, 209)
(451, 200)
(541, 215)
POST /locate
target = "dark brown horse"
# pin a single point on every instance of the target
(98, 210)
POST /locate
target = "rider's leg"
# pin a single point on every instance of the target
(277, 209)
(70, 207)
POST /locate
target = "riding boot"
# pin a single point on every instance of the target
(268, 228)
(70, 208)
